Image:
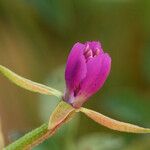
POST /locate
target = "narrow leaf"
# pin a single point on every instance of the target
(113, 124)
(62, 113)
(28, 84)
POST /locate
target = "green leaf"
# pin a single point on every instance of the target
(113, 124)
(28, 84)
(62, 113)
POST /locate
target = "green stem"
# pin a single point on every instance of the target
(32, 138)
(62, 114)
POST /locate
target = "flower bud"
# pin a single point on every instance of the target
(87, 69)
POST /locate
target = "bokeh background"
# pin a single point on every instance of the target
(35, 39)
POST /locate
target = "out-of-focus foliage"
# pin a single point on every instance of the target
(1, 137)
(99, 141)
(48, 104)
(35, 39)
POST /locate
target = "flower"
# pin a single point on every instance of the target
(87, 69)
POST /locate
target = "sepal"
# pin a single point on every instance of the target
(62, 113)
(28, 84)
(113, 124)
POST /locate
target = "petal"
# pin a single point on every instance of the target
(76, 67)
(98, 69)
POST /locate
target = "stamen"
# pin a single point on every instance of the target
(88, 54)
(97, 51)
(86, 48)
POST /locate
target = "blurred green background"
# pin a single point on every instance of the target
(35, 39)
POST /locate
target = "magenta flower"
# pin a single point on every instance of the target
(86, 71)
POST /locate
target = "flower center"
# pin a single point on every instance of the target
(90, 53)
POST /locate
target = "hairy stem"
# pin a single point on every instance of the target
(32, 138)
(62, 114)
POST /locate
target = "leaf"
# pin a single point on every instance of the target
(113, 124)
(28, 84)
(62, 113)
